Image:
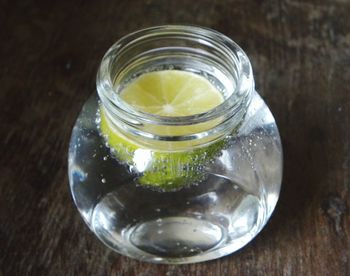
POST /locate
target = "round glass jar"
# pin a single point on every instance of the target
(199, 191)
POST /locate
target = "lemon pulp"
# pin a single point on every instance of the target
(169, 93)
(172, 93)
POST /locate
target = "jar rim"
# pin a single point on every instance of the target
(230, 108)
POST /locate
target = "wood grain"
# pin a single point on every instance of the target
(50, 51)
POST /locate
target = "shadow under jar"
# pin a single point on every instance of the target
(176, 198)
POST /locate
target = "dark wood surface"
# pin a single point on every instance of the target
(50, 52)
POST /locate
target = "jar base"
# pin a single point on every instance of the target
(176, 237)
(192, 223)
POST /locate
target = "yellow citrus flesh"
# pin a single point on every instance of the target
(166, 93)
(172, 93)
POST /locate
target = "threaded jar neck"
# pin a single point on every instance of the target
(174, 47)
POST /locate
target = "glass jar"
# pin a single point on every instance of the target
(203, 190)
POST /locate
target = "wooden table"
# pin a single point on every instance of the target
(50, 52)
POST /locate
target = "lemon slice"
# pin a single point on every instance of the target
(169, 93)
(172, 93)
